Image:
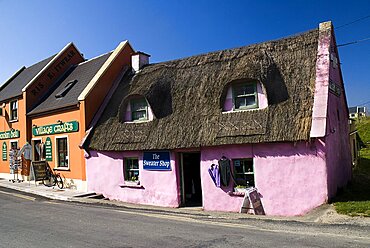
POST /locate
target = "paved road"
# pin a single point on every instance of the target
(32, 221)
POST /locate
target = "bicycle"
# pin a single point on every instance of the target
(52, 179)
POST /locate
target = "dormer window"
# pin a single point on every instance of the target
(245, 96)
(139, 109)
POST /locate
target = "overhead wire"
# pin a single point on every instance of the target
(349, 23)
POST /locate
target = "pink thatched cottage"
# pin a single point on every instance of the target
(275, 113)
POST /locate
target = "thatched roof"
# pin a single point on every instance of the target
(187, 95)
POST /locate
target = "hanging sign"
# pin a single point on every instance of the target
(48, 150)
(157, 161)
(66, 127)
(5, 151)
(255, 201)
(9, 134)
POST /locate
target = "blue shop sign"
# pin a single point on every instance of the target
(157, 161)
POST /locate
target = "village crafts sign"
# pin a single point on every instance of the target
(66, 127)
(9, 134)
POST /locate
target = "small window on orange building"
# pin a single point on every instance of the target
(13, 110)
(62, 152)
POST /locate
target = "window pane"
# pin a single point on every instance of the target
(62, 152)
(139, 115)
(138, 105)
(243, 170)
(131, 169)
(240, 102)
(245, 89)
(250, 100)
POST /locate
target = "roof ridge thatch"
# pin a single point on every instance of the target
(251, 46)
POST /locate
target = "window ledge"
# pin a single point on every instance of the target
(236, 193)
(62, 169)
(15, 120)
(143, 121)
(128, 184)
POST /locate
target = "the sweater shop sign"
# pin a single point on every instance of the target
(9, 134)
(159, 161)
(63, 127)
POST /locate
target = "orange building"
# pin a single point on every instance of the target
(51, 104)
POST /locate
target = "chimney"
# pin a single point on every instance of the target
(138, 60)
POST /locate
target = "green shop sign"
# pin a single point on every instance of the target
(9, 134)
(65, 127)
(48, 150)
(5, 151)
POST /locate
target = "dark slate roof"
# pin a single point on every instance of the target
(83, 73)
(187, 96)
(15, 86)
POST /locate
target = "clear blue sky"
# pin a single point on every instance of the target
(33, 30)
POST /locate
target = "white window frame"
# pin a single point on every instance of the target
(126, 171)
(253, 172)
(11, 119)
(33, 148)
(56, 166)
(146, 109)
(235, 96)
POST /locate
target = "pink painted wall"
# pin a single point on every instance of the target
(337, 133)
(262, 99)
(104, 172)
(290, 178)
(330, 117)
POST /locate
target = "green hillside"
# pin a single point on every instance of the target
(355, 199)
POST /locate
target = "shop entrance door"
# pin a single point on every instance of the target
(191, 190)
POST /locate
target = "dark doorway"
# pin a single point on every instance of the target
(191, 189)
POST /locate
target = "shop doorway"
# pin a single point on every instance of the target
(36, 149)
(191, 189)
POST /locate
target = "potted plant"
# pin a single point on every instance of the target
(240, 189)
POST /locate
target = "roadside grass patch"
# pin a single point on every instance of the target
(354, 200)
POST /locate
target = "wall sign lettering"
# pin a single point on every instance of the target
(48, 150)
(5, 151)
(9, 134)
(66, 127)
(157, 161)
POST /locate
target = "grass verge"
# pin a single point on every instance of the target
(355, 199)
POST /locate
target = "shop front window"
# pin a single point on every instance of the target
(131, 169)
(244, 172)
(62, 152)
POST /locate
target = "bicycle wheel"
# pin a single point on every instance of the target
(47, 181)
(59, 181)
